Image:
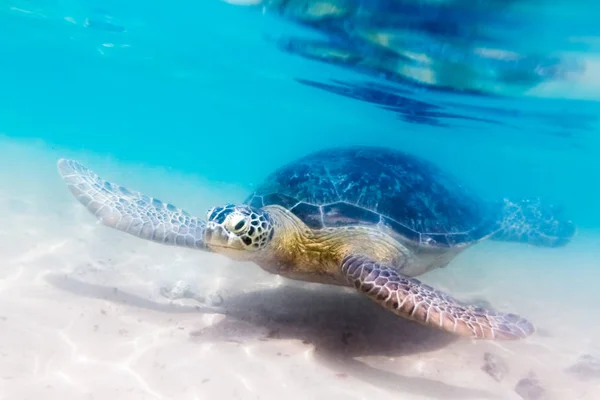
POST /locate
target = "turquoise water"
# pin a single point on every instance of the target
(196, 103)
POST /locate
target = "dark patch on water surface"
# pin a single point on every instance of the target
(392, 99)
(104, 25)
(458, 45)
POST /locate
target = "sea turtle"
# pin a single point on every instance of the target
(365, 217)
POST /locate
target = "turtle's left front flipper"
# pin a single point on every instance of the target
(411, 299)
(132, 212)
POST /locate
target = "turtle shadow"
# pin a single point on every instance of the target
(340, 324)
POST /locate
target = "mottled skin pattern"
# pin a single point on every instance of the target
(411, 299)
(132, 212)
(364, 217)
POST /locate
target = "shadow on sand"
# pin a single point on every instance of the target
(340, 324)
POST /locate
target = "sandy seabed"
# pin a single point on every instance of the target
(87, 312)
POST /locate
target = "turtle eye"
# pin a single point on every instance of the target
(237, 223)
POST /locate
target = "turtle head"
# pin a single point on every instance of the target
(238, 230)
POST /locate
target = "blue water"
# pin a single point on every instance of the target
(228, 93)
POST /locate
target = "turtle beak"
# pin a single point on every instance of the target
(218, 239)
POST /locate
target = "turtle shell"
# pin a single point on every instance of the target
(396, 191)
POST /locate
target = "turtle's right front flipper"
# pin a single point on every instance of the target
(411, 299)
(132, 212)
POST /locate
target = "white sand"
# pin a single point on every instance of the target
(82, 315)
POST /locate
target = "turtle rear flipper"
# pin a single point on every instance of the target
(534, 222)
(411, 299)
(132, 212)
